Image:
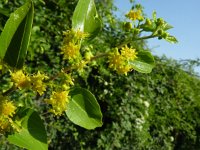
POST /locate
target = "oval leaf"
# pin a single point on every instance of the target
(83, 109)
(171, 39)
(144, 62)
(15, 36)
(85, 18)
(32, 134)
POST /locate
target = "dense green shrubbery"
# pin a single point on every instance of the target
(141, 111)
(155, 111)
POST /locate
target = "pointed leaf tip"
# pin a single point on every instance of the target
(85, 18)
(83, 109)
(15, 36)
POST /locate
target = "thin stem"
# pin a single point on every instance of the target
(146, 37)
(136, 39)
(99, 56)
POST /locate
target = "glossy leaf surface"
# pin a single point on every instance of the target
(32, 134)
(83, 109)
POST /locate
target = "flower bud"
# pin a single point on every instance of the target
(148, 22)
(160, 32)
(127, 26)
(88, 55)
(136, 31)
(165, 35)
(160, 22)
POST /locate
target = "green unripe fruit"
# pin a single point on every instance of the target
(160, 32)
(160, 22)
(148, 22)
(136, 31)
(127, 26)
(165, 35)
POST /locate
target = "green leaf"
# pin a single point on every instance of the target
(85, 18)
(148, 28)
(166, 26)
(32, 134)
(154, 15)
(15, 36)
(144, 62)
(83, 109)
(171, 39)
(4, 12)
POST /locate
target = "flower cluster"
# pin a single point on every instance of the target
(34, 82)
(128, 53)
(20, 79)
(58, 101)
(135, 14)
(120, 61)
(66, 80)
(37, 82)
(7, 110)
(70, 51)
(71, 44)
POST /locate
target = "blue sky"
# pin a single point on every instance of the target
(184, 16)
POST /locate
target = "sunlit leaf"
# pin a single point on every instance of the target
(15, 36)
(32, 134)
(85, 18)
(171, 39)
(144, 62)
(167, 26)
(83, 109)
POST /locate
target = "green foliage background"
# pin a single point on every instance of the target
(170, 122)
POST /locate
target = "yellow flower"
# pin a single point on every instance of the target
(37, 83)
(120, 62)
(20, 79)
(115, 59)
(70, 51)
(124, 69)
(7, 108)
(128, 53)
(58, 101)
(74, 35)
(135, 15)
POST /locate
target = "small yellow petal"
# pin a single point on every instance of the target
(7, 108)
(70, 51)
(135, 15)
(58, 101)
(20, 79)
(37, 83)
